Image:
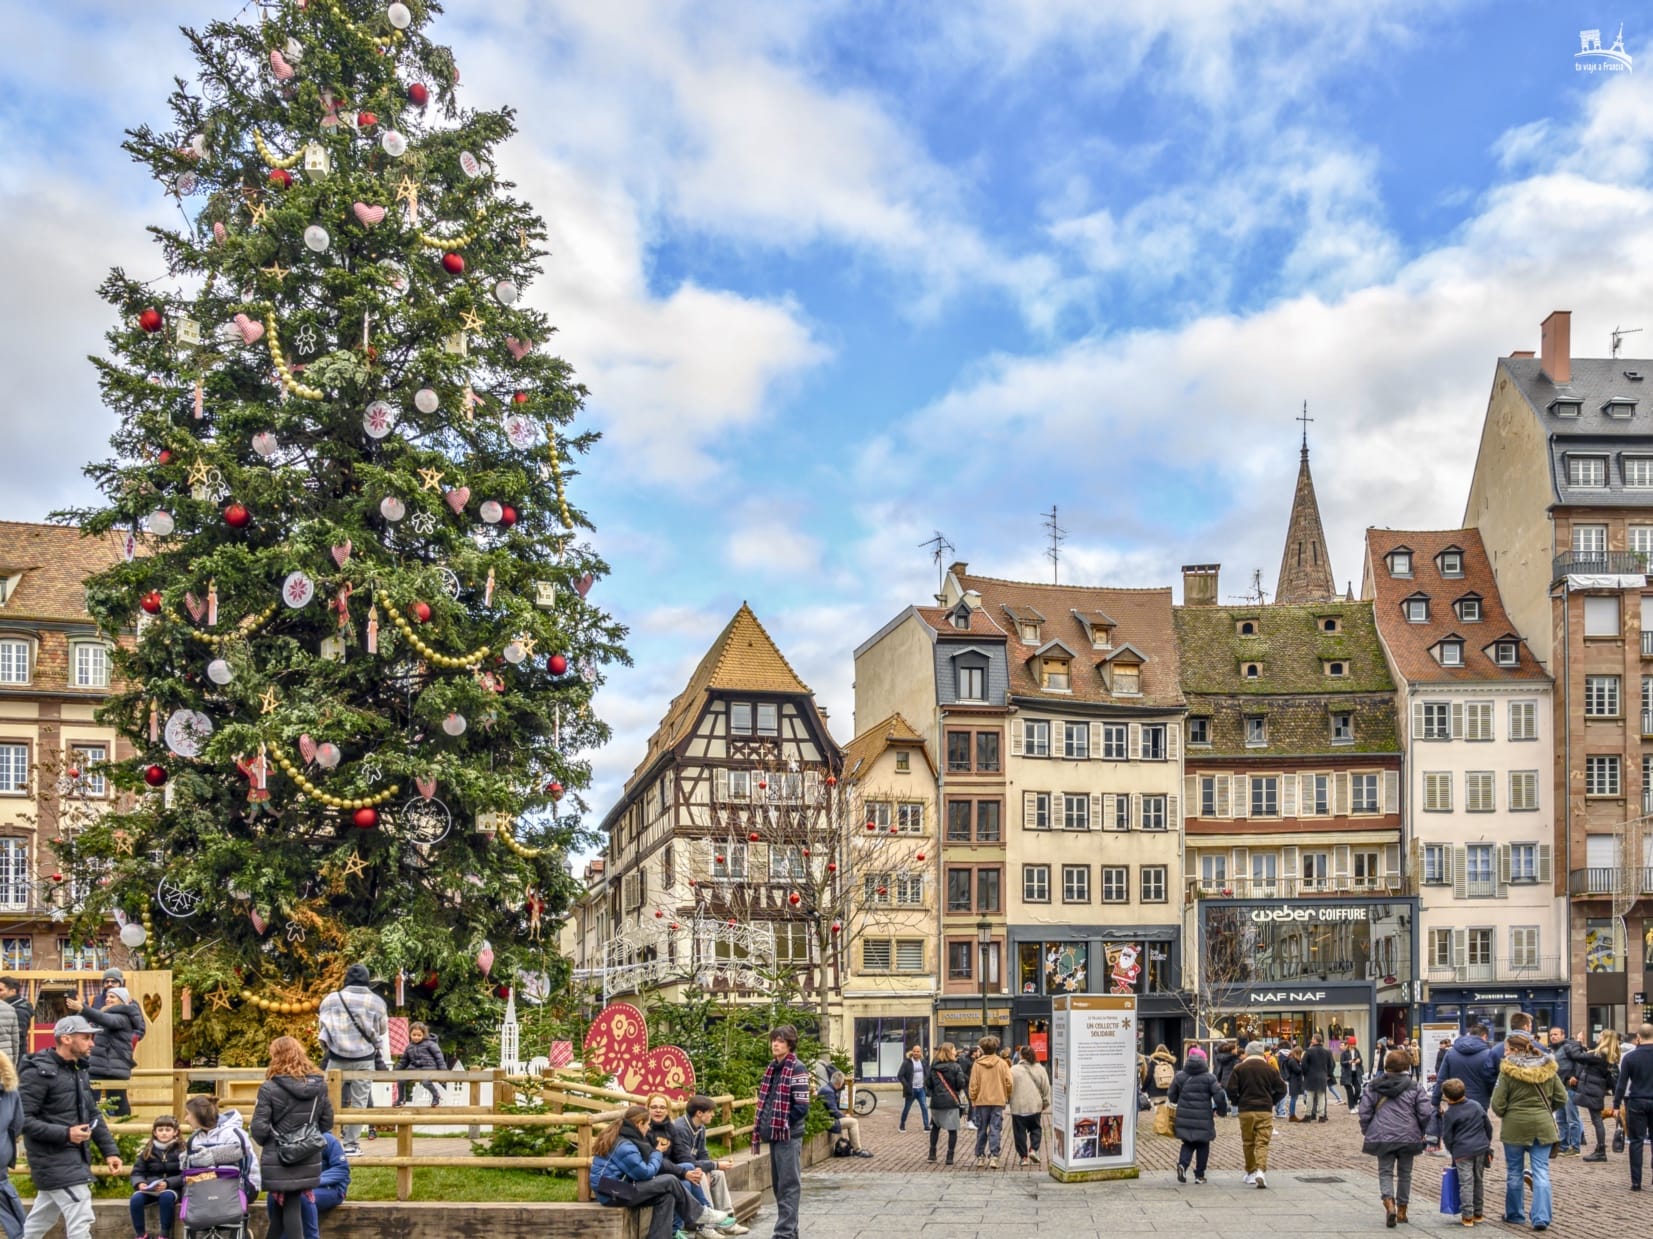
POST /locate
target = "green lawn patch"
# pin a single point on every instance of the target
(438, 1183)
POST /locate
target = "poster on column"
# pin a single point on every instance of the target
(1093, 1081)
(1430, 1037)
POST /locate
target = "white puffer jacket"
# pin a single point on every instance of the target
(230, 1133)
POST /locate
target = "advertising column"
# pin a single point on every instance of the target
(1093, 1087)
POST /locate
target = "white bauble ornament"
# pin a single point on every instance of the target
(133, 934)
(394, 143)
(316, 238)
(514, 652)
(491, 512)
(161, 523)
(454, 724)
(392, 508)
(198, 145)
(505, 292)
(186, 732)
(264, 443)
(521, 431)
(185, 184)
(399, 15)
(379, 419)
(218, 671)
(327, 755)
(470, 165)
(297, 590)
(426, 400)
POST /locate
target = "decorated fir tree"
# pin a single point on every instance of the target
(364, 657)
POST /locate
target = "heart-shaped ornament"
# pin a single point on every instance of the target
(307, 747)
(219, 232)
(519, 348)
(664, 1070)
(617, 1036)
(341, 553)
(369, 215)
(584, 584)
(279, 65)
(152, 1006)
(195, 607)
(252, 331)
(425, 787)
(457, 498)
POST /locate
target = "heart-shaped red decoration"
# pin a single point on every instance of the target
(341, 552)
(518, 348)
(618, 1044)
(425, 787)
(307, 747)
(457, 498)
(584, 584)
(369, 215)
(665, 1070)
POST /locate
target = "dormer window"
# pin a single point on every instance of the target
(1416, 609)
(1450, 653)
(1337, 669)
(1586, 471)
(8, 585)
(1566, 406)
(1620, 407)
(1251, 671)
(961, 617)
(1506, 654)
(1451, 562)
(1637, 471)
(1054, 675)
(1101, 637)
(1256, 730)
(1400, 562)
(1331, 624)
(1246, 628)
(1469, 608)
(1029, 633)
(1127, 681)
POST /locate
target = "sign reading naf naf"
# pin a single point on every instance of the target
(1093, 1086)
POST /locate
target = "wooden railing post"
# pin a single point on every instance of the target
(505, 1093)
(180, 1093)
(404, 1148)
(335, 1089)
(582, 1150)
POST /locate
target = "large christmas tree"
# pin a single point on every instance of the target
(364, 658)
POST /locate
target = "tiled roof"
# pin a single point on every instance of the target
(1410, 644)
(1593, 382)
(861, 752)
(1143, 618)
(941, 619)
(55, 562)
(1290, 644)
(1298, 725)
(744, 658)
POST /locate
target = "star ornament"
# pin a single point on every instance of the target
(123, 842)
(430, 479)
(219, 999)
(407, 191)
(259, 211)
(471, 322)
(267, 701)
(198, 473)
(355, 866)
(275, 271)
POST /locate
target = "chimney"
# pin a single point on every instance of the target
(1199, 585)
(972, 599)
(1555, 343)
(1521, 352)
(958, 568)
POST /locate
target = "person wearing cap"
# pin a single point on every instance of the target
(61, 1123)
(120, 1028)
(353, 1024)
(1257, 1089)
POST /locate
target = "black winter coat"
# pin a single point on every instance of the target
(423, 1055)
(112, 1048)
(1595, 1080)
(24, 1010)
(1318, 1067)
(1291, 1070)
(1198, 1099)
(1352, 1068)
(953, 1074)
(285, 1105)
(1222, 1064)
(910, 1076)
(57, 1095)
(161, 1164)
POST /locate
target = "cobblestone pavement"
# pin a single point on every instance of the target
(1318, 1176)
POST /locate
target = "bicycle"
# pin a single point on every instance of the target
(865, 1102)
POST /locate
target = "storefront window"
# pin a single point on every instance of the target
(1126, 967)
(1299, 942)
(881, 1042)
(1601, 948)
(1052, 967)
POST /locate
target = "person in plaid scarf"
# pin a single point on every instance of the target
(783, 1104)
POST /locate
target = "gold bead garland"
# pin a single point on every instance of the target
(280, 360)
(379, 40)
(269, 156)
(509, 840)
(458, 242)
(556, 478)
(246, 628)
(332, 802)
(452, 662)
(279, 1007)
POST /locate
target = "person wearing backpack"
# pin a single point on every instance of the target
(1394, 1119)
(1199, 1099)
(289, 1118)
(947, 1090)
(1162, 1069)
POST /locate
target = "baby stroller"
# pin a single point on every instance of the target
(216, 1207)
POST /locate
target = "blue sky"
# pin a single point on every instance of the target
(840, 275)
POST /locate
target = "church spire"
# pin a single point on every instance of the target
(1306, 566)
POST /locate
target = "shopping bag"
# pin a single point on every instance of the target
(1165, 1120)
(1618, 1137)
(1451, 1202)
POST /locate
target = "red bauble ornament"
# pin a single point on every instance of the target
(154, 775)
(367, 819)
(872, 825)
(421, 612)
(418, 94)
(554, 789)
(763, 785)
(920, 856)
(58, 877)
(366, 119)
(832, 866)
(720, 860)
(894, 829)
(520, 397)
(836, 926)
(832, 780)
(453, 264)
(165, 458)
(806, 851)
(431, 981)
(236, 516)
(151, 602)
(557, 664)
(675, 925)
(150, 320)
(883, 890)
(731, 922)
(753, 837)
(281, 178)
(794, 899)
(73, 772)
(659, 915)
(502, 992)
(507, 515)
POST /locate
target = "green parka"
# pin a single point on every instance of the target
(1527, 1095)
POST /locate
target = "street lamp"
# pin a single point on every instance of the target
(984, 943)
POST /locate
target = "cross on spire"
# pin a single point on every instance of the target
(1305, 419)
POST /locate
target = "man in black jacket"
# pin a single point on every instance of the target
(1567, 1051)
(689, 1148)
(60, 1122)
(11, 993)
(1633, 1098)
(1318, 1067)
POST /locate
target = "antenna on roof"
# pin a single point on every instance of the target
(1618, 337)
(940, 549)
(1053, 552)
(1255, 595)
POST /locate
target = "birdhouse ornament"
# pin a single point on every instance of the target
(316, 159)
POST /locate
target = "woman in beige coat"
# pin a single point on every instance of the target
(1029, 1099)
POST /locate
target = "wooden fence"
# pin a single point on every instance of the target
(570, 1105)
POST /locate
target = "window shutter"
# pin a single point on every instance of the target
(1112, 821)
(1220, 783)
(1288, 867)
(1288, 796)
(1016, 737)
(1544, 874)
(1503, 869)
(1391, 863)
(1305, 794)
(1242, 864)
(1340, 863)
(1460, 872)
(1173, 740)
(1136, 809)
(1172, 820)
(1391, 792)
(1095, 750)
(1190, 793)
(1094, 820)
(1417, 719)
(1457, 720)
(1030, 810)
(1240, 790)
(1340, 794)
(720, 784)
(1134, 752)
(1460, 947)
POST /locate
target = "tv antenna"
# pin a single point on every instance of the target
(1618, 337)
(940, 548)
(1255, 596)
(1057, 535)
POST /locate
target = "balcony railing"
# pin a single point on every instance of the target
(1647, 644)
(1599, 563)
(1611, 881)
(1544, 968)
(1291, 888)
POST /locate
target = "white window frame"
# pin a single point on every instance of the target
(1152, 884)
(1036, 737)
(1076, 811)
(740, 718)
(14, 768)
(1452, 563)
(1076, 883)
(1363, 803)
(1156, 812)
(1416, 610)
(1452, 653)
(89, 664)
(87, 754)
(1589, 539)
(1524, 863)
(1263, 795)
(14, 873)
(1153, 742)
(1035, 883)
(16, 660)
(1480, 870)
(1586, 472)
(1478, 721)
(1343, 727)
(1116, 884)
(1256, 730)
(1523, 720)
(909, 817)
(1076, 741)
(1602, 697)
(734, 867)
(1116, 742)
(1469, 610)
(1637, 472)
(770, 710)
(1435, 860)
(1213, 870)
(972, 683)
(1506, 654)
(1603, 775)
(1400, 563)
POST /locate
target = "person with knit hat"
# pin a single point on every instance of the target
(1198, 1098)
(353, 1027)
(1257, 1089)
(120, 1027)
